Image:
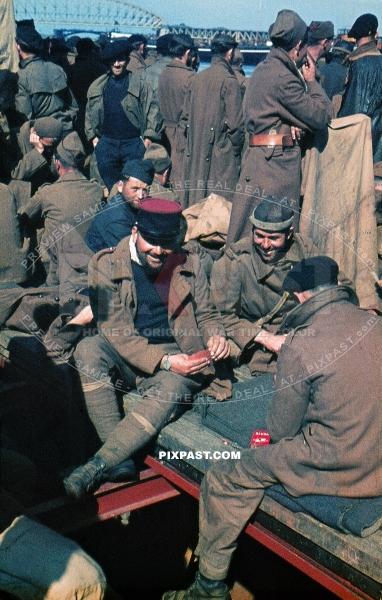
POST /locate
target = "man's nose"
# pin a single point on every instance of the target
(267, 243)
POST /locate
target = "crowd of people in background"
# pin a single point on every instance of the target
(107, 156)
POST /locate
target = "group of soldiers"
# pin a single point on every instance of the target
(103, 280)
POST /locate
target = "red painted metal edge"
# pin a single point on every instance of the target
(328, 579)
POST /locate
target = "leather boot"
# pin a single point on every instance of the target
(200, 591)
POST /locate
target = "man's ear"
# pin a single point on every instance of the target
(134, 233)
(120, 186)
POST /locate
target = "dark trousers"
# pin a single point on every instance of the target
(112, 154)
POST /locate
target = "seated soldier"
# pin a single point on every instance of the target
(161, 160)
(246, 285)
(325, 438)
(117, 217)
(158, 332)
(37, 143)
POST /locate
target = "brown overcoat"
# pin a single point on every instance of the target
(191, 316)
(245, 289)
(326, 412)
(215, 133)
(277, 97)
(173, 91)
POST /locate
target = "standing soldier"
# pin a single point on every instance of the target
(281, 104)
(138, 44)
(215, 127)
(173, 90)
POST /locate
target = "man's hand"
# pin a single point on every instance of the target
(147, 143)
(270, 341)
(84, 317)
(296, 133)
(95, 141)
(219, 347)
(184, 365)
(309, 70)
(35, 141)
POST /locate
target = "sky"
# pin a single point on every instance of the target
(258, 14)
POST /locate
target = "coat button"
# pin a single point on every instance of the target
(247, 179)
(56, 299)
(40, 296)
(70, 299)
(207, 159)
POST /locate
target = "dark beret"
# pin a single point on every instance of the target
(310, 273)
(159, 219)
(287, 30)
(223, 42)
(272, 214)
(320, 30)
(115, 49)
(139, 169)
(184, 39)
(365, 26)
(30, 37)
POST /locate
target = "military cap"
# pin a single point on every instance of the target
(272, 214)
(184, 39)
(48, 127)
(139, 169)
(159, 219)
(29, 37)
(158, 156)
(287, 30)
(71, 150)
(113, 50)
(222, 42)
(366, 25)
(163, 44)
(310, 273)
(136, 40)
(320, 30)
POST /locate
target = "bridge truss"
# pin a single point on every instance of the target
(105, 15)
(207, 35)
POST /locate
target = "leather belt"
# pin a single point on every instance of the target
(271, 139)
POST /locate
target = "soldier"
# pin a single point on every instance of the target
(72, 200)
(43, 88)
(320, 40)
(325, 439)
(158, 332)
(173, 92)
(280, 105)
(215, 133)
(163, 58)
(122, 117)
(138, 54)
(37, 142)
(363, 91)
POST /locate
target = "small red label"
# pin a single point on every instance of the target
(260, 437)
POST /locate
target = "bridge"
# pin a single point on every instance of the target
(84, 15)
(104, 16)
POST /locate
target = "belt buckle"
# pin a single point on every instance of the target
(272, 132)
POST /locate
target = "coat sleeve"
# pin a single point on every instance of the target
(234, 118)
(153, 116)
(291, 398)
(226, 288)
(23, 101)
(115, 319)
(32, 162)
(312, 107)
(207, 316)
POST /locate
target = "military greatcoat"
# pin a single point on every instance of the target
(215, 133)
(277, 97)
